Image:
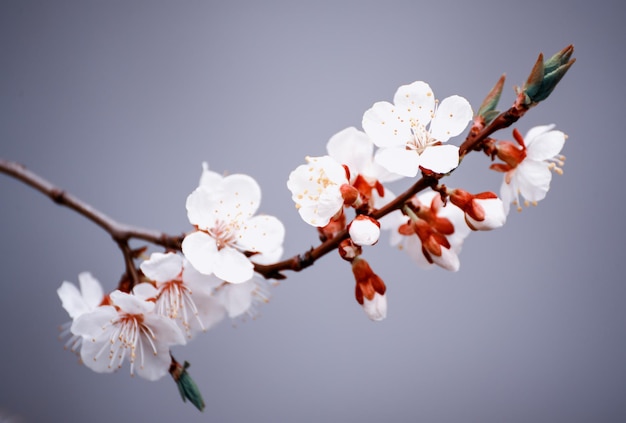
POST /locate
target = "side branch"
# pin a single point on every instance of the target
(121, 233)
(503, 120)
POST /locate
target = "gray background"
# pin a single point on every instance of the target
(119, 102)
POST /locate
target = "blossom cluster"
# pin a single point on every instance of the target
(176, 295)
(179, 295)
(399, 140)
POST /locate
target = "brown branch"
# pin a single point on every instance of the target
(120, 232)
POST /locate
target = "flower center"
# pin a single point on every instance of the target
(421, 138)
(224, 234)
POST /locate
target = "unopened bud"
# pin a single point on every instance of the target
(349, 250)
(369, 290)
(364, 230)
(349, 194)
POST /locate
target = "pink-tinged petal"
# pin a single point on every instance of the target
(533, 180)
(385, 126)
(415, 101)
(233, 266)
(545, 146)
(534, 132)
(440, 158)
(240, 200)
(90, 325)
(201, 251)
(145, 291)
(91, 289)
(453, 115)
(162, 267)
(236, 299)
(201, 204)
(399, 160)
(131, 304)
(353, 148)
(261, 234)
(72, 300)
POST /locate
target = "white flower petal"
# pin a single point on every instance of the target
(240, 200)
(533, 179)
(399, 160)
(495, 217)
(233, 266)
(448, 260)
(545, 146)
(198, 282)
(162, 267)
(200, 206)
(201, 251)
(452, 117)
(209, 179)
(261, 234)
(353, 148)
(535, 131)
(145, 291)
(131, 304)
(90, 325)
(385, 126)
(376, 309)
(415, 101)
(237, 299)
(72, 300)
(440, 158)
(90, 289)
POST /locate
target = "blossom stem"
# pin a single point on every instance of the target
(503, 120)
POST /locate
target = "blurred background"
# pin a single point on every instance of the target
(119, 102)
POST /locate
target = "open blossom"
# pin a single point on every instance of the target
(527, 165)
(128, 329)
(434, 234)
(77, 302)
(183, 294)
(316, 189)
(355, 149)
(410, 132)
(223, 212)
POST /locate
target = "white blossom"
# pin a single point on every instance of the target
(410, 132)
(183, 294)
(128, 329)
(316, 189)
(222, 209)
(528, 165)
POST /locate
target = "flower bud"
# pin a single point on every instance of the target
(364, 230)
(483, 212)
(348, 250)
(369, 290)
